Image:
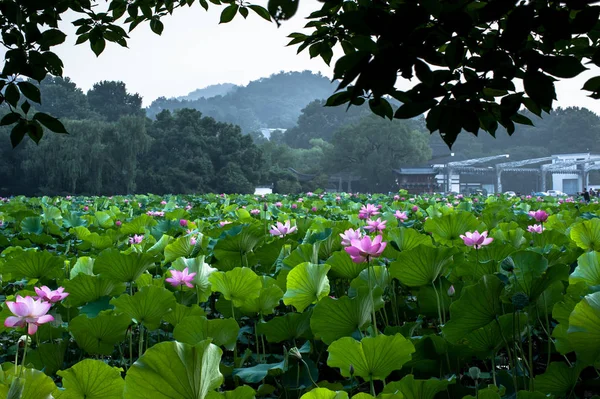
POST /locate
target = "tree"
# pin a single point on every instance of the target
(374, 147)
(111, 100)
(465, 55)
(63, 99)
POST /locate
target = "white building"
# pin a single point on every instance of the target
(571, 183)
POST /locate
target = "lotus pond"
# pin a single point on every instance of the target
(314, 296)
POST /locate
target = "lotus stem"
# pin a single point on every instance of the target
(510, 358)
(130, 347)
(494, 368)
(235, 352)
(309, 374)
(141, 341)
(373, 314)
(24, 355)
(530, 350)
(437, 298)
(372, 387)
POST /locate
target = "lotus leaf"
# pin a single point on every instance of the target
(91, 379)
(306, 284)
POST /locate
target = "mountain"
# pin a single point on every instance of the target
(273, 102)
(209, 91)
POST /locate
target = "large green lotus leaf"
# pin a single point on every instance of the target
(447, 229)
(85, 288)
(180, 248)
(32, 225)
(494, 214)
(33, 384)
(584, 329)
(104, 219)
(238, 241)
(165, 227)
(118, 266)
(489, 338)
(255, 374)
(267, 301)
(487, 393)
(303, 253)
(343, 267)
(161, 244)
(559, 379)
(421, 265)
(237, 285)
(147, 306)
(242, 392)
(202, 270)
(587, 270)
(48, 357)
(266, 256)
(586, 234)
(138, 225)
(478, 305)
(286, 328)
(324, 393)
(98, 336)
(418, 389)
(379, 275)
(306, 284)
(336, 318)
(73, 219)
(372, 357)
(403, 239)
(509, 233)
(532, 275)
(95, 240)
(192, 330)
(552, 295)
(91, 379)
(551, 237)
(174, 370)
(34, 265)
(180, 312)
(84, 265)
(562, 311)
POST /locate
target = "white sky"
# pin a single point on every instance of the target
(195, 51)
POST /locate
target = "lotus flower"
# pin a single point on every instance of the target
(539, 215)
(224, 223)
(367, 211)
(28, 311)
(350, 235)
(136, 239)
(294, 206)
(415, 208)
(401, 216)
(180, 278)
(375, 226)
(193, 240)
(255, 211)
(183, 223)
(282, 229)
(314, 209)
(163, 202)
(476, 240)
(536, 228)
(396, 197)
(48, 295)
(451, 291)
(361, 250)
(278, 204)
(118, 223)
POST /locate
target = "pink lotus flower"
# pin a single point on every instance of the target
(411, 200)
(367, 211)
(314, 209)
(396, 197)
(163, 202)
(338, 198)
(375, 225)
(193, 240)
(188, 207)
(294, 206)
(415, 208)
(136, 239)
(309, 194)
(255, 211)
(300, 199)
(278, 204)
(86, 208)
(476, 240)
(401, 216)
(224, 223)
(528, 197)
(282, 229)
(180, 278)
(27, 311)
(183, 223)
(536, 228)
(350, 235)
(46, 294)
(539, 215)
(68, 197)
(475, 200)
(118, 223)
(451, 291)
(361, 250)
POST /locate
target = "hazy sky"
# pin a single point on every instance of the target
(194, 51)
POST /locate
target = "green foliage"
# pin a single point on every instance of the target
(91, 379)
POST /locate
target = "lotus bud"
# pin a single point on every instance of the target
(474, 373)
(508, 265)
(351, 370)
(451, 291)
(22, 340)
(265, 207)
(296, 353)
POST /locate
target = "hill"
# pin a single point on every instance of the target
(273, 102)
(209, 91)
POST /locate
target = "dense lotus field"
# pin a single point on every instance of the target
(314, 296)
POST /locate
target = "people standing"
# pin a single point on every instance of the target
(586, 195)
